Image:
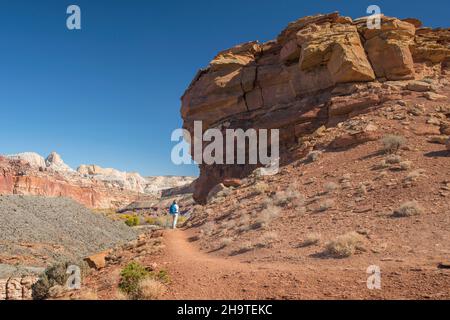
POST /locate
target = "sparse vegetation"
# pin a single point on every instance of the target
(405, 165)
(345, 245)
(140, 284)
(225, 242)
(131, 276)
(165, 221)
(290, 196)
(392, 143)
(393, 159)
(266, 240)
(414, 175)
(150, 289)
(313, 156)
(265, 217)
(311, 239)
(259, 188)
(331, 187)
(131, 220)
(244, 247)
(324, 205)
(408, 209)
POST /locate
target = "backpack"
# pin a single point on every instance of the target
(173, 208)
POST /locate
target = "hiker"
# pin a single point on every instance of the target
(174, 211)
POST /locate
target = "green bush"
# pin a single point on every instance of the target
(132, 221)
(131, 276)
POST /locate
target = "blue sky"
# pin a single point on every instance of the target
(110, 93)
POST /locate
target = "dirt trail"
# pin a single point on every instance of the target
(198, 275)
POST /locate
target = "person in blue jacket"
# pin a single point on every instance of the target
(174, 211)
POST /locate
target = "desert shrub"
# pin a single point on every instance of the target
(393, 159)
(225, 242)
(131, 220)
(259, 188)
(313, 156)
(207, 228)
(405, 165)
(345, 245)
(55, 276)
(131, 276)
(330, 187)
(267, 239)
(265, 217)
(324, 205)
(161, 276)
(244, 247)
(150, 289)
(414, 175)
(392, 143)
(361, 190)
(286, 197)
(311, 239)
(165, 221)
(408, 209)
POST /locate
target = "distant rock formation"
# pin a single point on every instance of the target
(96, 187)
(320, 70)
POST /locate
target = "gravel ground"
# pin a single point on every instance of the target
(55, 229)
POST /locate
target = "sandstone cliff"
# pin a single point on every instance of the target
(93, 186)
(320, 71)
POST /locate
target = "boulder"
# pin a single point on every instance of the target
(419, 86)
(98, 260)
(337, 46)
(232, 183)
(388, 48)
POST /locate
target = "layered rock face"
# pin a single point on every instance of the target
(19, 177)
(93, 186)
(319, 71)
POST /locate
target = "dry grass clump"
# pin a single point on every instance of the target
(150, 289)
(311, 239)
(267, 240)
(392, 143)
(408, 209)
(313, 156)
(325, 205)
(405, 165)
(259, 188)
(244, 247)
(393, 159)
(225, 242)
(331, 187)
(288, 197)
(207, 229)
(413, 176)
(265, 217)
(344, 245)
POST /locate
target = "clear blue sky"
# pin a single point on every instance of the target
(110, 93)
